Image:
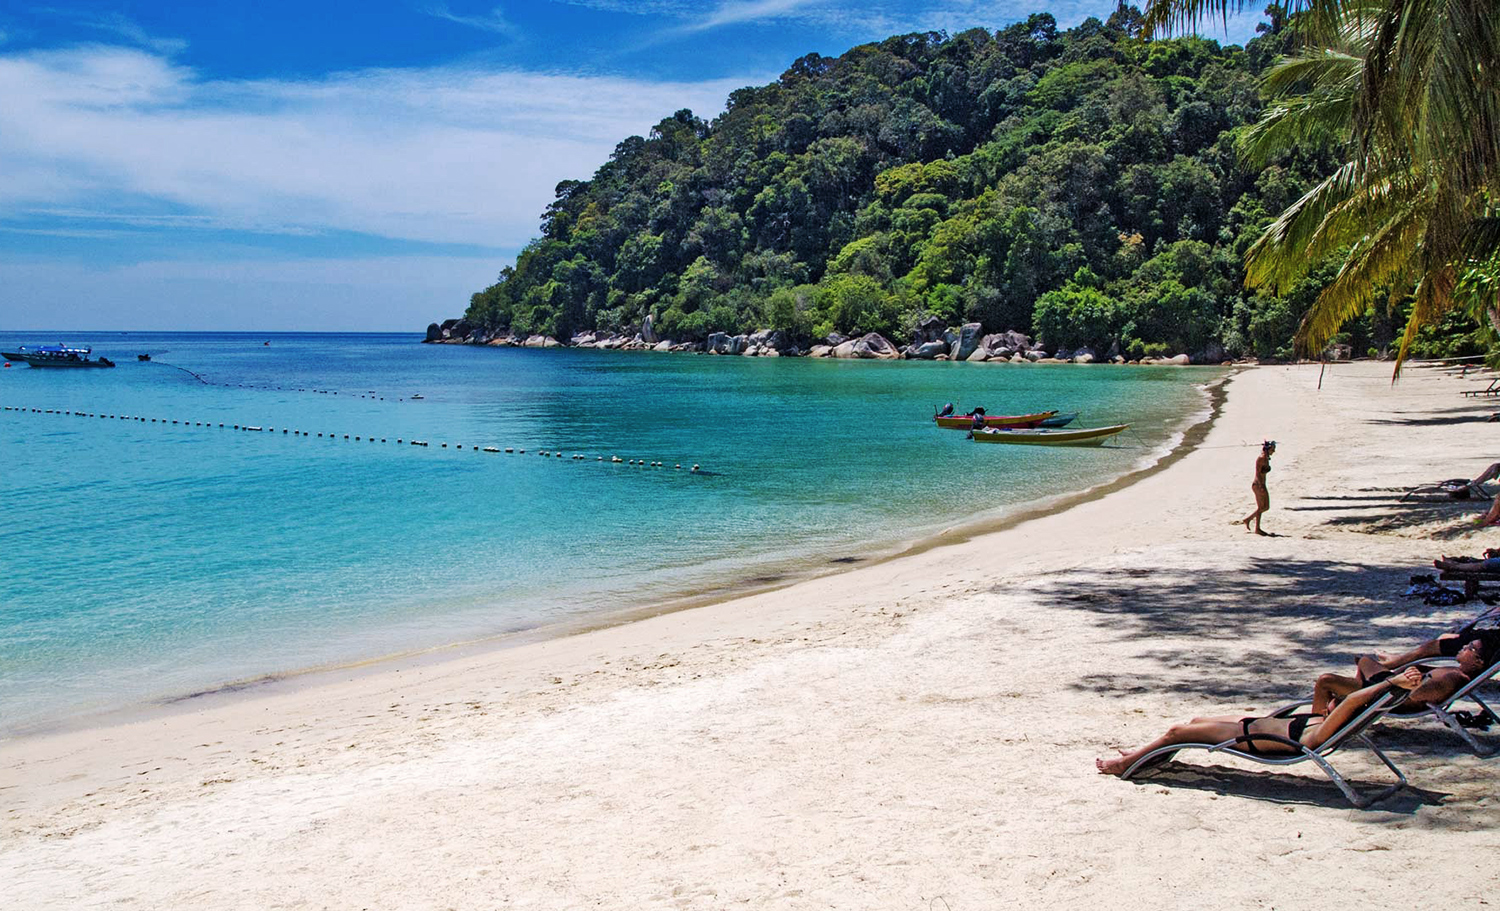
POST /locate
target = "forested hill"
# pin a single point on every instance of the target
(1081, 185)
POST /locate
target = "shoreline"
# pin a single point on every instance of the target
(923, 728)
(1195, 425)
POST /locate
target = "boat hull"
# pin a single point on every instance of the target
(966, 422)
(62, 362)
(1091, 436)
(1060, 420)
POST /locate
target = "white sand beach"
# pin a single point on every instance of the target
(915, 734)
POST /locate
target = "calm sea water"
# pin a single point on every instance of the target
(141, 561)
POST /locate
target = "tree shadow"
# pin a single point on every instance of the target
(1476, 418)
(1379, 510)
(1315, 615)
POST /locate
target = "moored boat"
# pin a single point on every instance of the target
(966, 421)
(57, 356)
(1088, 436)
(1061, 419)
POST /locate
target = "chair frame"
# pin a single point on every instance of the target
(1445, 713)
(1355, 730)
(1492, 389)
(1477, 492)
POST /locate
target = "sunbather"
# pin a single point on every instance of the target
(1492, 517)
(1474, 651)
(1308, 729)
(1490, 563)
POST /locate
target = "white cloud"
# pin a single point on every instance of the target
(120, 26)
(445, 154)
(735, 13)
(493, 21)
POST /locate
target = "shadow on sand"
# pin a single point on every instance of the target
(1314, 616)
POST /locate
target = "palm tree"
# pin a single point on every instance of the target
(1412, 90)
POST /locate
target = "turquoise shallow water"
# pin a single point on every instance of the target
(143, 561)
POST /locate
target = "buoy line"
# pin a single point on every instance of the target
(695, 468)
(372, 395)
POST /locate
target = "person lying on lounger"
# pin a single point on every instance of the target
(1308, 729)
(1490, 563)
(1474, 654)
(1476, 648)
(1489, 474)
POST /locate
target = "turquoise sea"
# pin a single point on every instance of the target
(143, 561)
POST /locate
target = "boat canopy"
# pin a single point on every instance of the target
(54, 349)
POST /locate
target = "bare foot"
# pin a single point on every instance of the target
(1263, 534)
(1113, 766)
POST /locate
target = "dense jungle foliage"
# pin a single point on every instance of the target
(1081, 185)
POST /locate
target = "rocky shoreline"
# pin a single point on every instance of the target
(933, 341)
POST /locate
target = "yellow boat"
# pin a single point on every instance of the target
(1089, 436)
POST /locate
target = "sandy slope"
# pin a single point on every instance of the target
(915, 734)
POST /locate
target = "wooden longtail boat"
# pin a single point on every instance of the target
(1090, 436)
(966, 421)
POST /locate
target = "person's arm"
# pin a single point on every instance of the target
(1358, 701)
(1428, 649)
(1439, 685)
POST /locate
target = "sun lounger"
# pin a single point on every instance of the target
(1353, 731)
(1492, 389)
(1454, 489)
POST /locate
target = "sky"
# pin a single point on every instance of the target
(355, 166)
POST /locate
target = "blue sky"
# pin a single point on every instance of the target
(353, 166)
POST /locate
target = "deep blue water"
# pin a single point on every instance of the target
(141, 560)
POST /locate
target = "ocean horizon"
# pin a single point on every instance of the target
(146, 559)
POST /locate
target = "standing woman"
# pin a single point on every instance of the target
(1258, 486)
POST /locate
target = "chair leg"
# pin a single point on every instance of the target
(1463, 732)
(1401, 781)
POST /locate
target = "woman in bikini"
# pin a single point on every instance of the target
(1307, 729)
(1473, 649)
(1258, 486)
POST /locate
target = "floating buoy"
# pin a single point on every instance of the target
(507, 449)
(695, 467)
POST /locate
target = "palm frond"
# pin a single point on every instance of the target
(1433, 296)
(1339, 212)
(1375, 261)
(1294, 123)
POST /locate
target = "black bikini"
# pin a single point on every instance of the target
(1299, 723)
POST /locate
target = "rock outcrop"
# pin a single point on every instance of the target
(968, 341)
(868, 346)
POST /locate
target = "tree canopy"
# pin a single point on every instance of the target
(1081, 184)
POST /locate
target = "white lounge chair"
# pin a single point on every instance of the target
(1353, 731)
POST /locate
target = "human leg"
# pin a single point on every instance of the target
(1329, 688)
(1206, 730)
(1489, 474)
(1492, 516)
